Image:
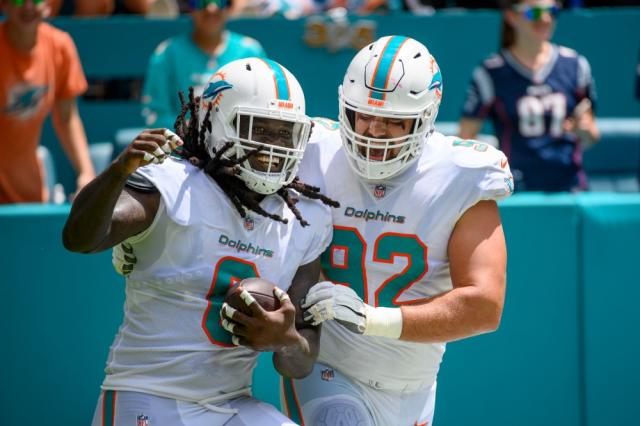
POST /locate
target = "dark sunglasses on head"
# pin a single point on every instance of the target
(535, 13)
(21, 2)
(202, 4)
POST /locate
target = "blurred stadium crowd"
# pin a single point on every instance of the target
(289, 8)
(178, 63)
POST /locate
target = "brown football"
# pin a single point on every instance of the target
(260, 289)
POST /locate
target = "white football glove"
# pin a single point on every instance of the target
(123, 258)
(328, 301)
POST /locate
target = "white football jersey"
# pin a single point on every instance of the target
(171, 342)
(390, 244)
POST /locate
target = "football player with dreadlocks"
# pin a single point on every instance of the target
(418, 248)
(229, 206)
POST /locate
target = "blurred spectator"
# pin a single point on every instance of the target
(610, 3)
(100, 7)
(164, 8)
(41, 73)
(420, 7)
(474, 4)
(293, 9)
(290, 9)
(539, 97)
(417, 5)
(190, 59)
(493, 4)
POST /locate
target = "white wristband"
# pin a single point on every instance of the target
(383, 322)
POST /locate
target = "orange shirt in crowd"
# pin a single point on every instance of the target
(30, 85)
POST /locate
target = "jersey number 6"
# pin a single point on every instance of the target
(228, 272)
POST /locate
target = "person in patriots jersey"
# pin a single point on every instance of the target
(188, 60)
(418, 254)
(539, 97)
(229, 206)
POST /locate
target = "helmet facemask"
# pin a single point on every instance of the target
(381, 158)
(391, 80)
(280, 140)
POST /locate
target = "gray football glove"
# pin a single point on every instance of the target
(328, 301)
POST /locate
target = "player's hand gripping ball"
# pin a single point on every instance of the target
(260, 289)
(259, 315)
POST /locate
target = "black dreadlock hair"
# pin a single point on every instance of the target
(224, 171)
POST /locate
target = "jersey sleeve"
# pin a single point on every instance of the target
(176, 180)
(157, 93)
(497, 182)
(480, 94)
(139, 183)
(484, 173)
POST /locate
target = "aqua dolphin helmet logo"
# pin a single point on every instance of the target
(215, 88)
(436, 81)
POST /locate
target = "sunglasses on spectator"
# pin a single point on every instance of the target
(202, 4)
(19, 3)
(535, 13)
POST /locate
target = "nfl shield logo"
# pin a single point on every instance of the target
(379, 190)
(327, 375)
(142, 420)
(248, 223)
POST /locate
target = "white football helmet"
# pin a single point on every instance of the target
(394, 78)
(255, 88)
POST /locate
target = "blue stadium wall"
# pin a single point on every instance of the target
(566, 353)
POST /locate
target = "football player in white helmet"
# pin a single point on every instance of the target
(418, 247)
(386, 111)
(199, 210)
(252, 118)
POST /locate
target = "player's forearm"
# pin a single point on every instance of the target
(457, 314)
(90, 219)
(297, 360)
(73, 139)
